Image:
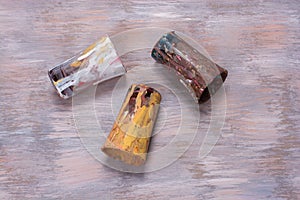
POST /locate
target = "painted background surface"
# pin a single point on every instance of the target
(258, 155)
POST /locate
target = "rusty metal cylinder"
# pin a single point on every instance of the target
(129, 138)
(201, 76)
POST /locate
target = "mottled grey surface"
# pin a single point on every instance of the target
(258, 155)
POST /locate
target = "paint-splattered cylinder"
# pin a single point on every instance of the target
(97, 63)
(129, 138)
(201, 76)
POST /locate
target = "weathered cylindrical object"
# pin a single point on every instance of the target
(97, 63)
(201, 76)
(129, 138)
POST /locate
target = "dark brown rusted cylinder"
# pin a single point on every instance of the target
(201, 76)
